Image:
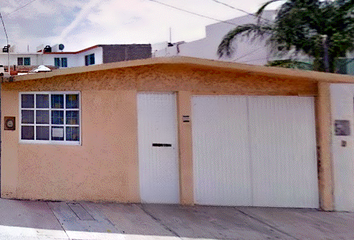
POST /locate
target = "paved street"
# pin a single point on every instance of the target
(85, 220)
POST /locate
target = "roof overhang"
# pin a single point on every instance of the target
(80, 51)
(200, 63)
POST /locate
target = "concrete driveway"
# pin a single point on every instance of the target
(85, 220)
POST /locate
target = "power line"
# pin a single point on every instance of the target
(241, 10)
(250, 14)
(23, 6)
(238, 9)
(247, 54)
(218, 20)
(3, 24)
(194, 13)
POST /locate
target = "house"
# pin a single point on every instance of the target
(180, 131)
(247, 50)
(55, 57)
(251, 52)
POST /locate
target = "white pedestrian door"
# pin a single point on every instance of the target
(158, 150)
(254, 151)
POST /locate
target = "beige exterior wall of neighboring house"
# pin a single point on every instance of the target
(105, 166)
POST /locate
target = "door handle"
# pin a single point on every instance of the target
(161, 144)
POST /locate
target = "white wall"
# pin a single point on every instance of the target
(98, 56)
(48, 59)
(342, 97)
(255, 52)
(35, 58)
(74, 60)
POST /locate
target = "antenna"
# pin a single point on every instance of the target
(170, 35)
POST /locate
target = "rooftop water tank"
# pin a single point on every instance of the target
(47, 49)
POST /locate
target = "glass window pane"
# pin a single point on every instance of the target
(86, 60)
(72, 117)
(57, 101)
(64, 62)
(27, 116)
(72, 101)
(27, 132)
(57, 117)
(57, 62)
(72, 134)
(42, 133)
(20, 61)
(42, 116)
(27, 101)
(92, 59)
(42, 101)
(58, 133)
(27, 61)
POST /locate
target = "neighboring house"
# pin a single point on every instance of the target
(55, 58)
(251, 52)
(180, 130)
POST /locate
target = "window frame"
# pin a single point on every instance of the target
(50, 125)
(64, 61)
(61, 62)
(20, 61)
(57, 62)
(90, 59)
(26, 61)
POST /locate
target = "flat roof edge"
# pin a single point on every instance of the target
(221, 65)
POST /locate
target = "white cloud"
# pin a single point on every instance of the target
(82, 23)
(82, 14)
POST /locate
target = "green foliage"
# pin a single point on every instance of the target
(289, 63)
(305, 26)
(246, 30)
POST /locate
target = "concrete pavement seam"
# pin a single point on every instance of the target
(267, 224)
(158, 221)
(58, 221)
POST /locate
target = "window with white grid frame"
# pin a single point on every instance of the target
(50, 117)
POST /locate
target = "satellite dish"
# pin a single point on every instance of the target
(61, 47)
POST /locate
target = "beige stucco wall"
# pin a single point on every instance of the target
(179, 77)
(105, 166)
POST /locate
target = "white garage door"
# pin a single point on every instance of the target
(254, 151)
(158, 151)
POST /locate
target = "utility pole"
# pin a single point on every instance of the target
(325, 52)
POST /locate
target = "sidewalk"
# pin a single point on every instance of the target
(85, 220)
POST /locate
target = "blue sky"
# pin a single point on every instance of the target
(83, 23)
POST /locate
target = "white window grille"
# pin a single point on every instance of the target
(50, 117)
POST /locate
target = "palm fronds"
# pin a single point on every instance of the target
(301, 25)
(246, 30)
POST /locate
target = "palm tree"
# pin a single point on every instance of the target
(321, 29)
